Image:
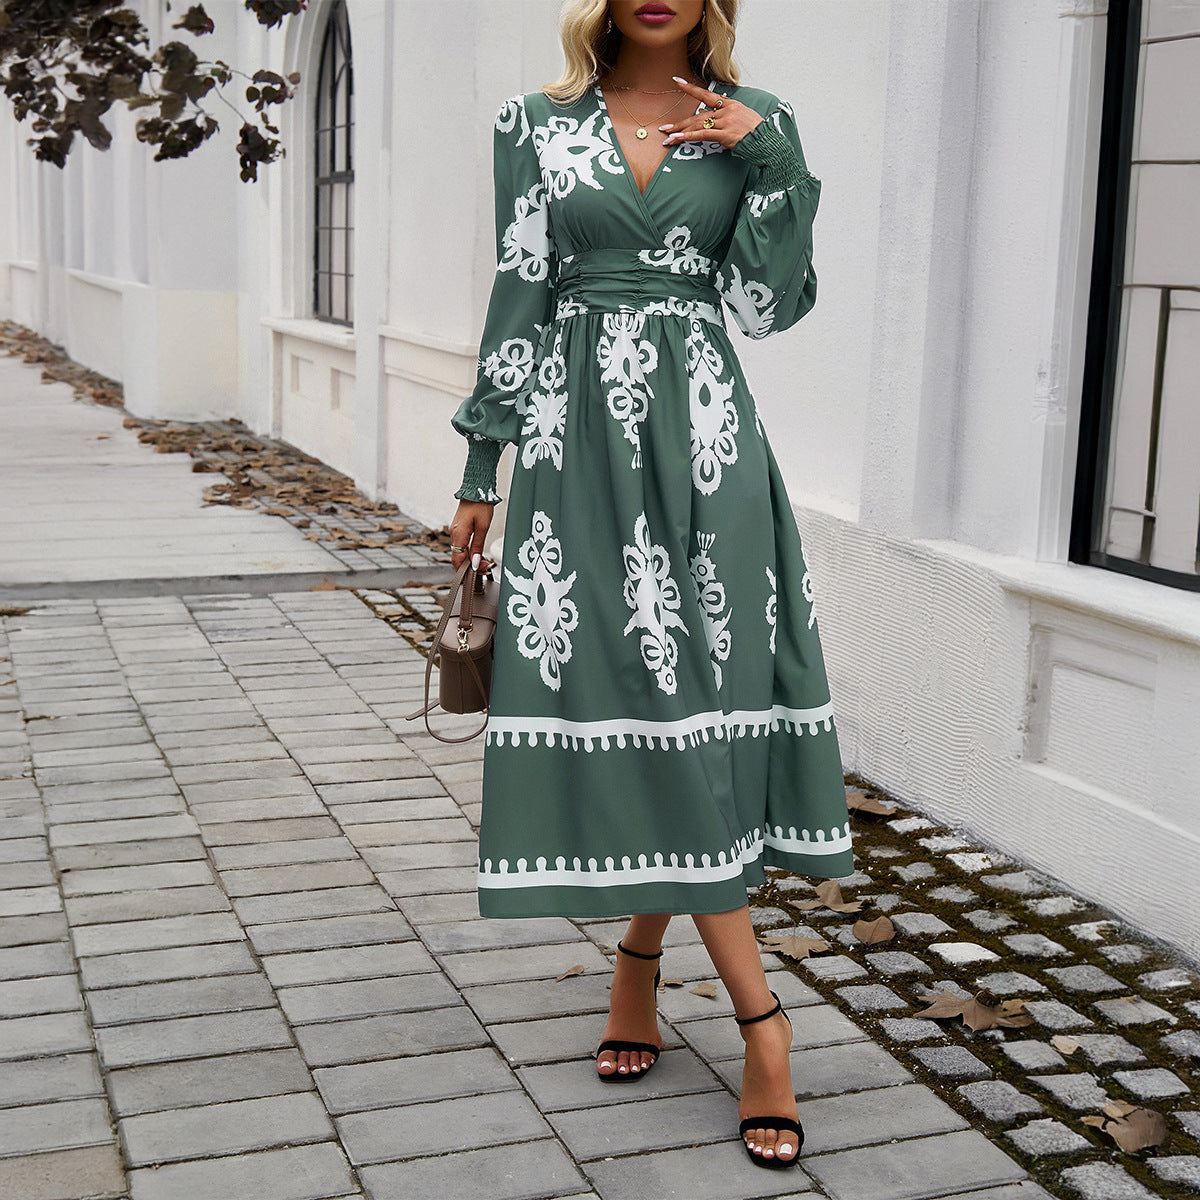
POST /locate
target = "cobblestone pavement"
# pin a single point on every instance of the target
(240, 957)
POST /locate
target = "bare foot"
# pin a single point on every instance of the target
(767, 1086)
(632, 1017)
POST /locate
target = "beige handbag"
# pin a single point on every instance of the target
(464, 653)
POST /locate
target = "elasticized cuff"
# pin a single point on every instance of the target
(479, 474)
(767, 148)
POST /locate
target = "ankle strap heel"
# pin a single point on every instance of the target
(762, 1016)
(646, 957)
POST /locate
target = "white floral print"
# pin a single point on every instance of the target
(512, 115)
(526, 244)
(625, 359)
(508, 366)
(710, 594)
(759, 203)
(655, 599)
(545, 410)
(571, 152)
(538, 606)
(713, 415)
(753, 303)
(696, 149)
(679, 254)
(771, 607)
(806, 586)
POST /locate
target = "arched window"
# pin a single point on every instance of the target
(333, 252)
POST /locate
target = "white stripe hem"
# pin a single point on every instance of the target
(681, 733)
(663, 868)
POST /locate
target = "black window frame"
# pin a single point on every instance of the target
(1119, 109)
(333, 167)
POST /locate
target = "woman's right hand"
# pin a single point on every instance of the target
(469, 528)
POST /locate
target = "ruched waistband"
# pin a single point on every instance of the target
(664, 282)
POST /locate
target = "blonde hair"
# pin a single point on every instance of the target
(590, 48)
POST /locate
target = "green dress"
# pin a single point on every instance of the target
(660, 724)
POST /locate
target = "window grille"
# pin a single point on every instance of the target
(333, 249)
(1137, 496)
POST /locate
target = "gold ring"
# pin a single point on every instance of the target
(458, 547)
(719, 103)
(708, 122)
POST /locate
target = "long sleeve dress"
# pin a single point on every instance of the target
(660, 724)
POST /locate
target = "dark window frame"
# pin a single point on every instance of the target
(333, 159)
(1121, 68)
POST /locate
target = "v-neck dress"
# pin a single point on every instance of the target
(660, 725)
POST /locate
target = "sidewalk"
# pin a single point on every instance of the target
(240, 955)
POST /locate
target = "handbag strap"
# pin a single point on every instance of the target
(465, 577)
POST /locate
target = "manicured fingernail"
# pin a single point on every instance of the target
(666, 127)
(678, 80)
(475, 561)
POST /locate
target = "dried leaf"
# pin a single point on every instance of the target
(706, 990)
(103, 437)
(1064, 1044)
(577, 969)
(1140, 1129)
(672, 983)
(1095, 1120)
(859, 803)
(1119, 1108)
(795, 947)
(872, 932)
(974, 1013)
(326, 585)
(829, 895)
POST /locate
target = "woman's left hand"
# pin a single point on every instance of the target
(732, 119)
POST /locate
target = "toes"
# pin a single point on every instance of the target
(606, 1064)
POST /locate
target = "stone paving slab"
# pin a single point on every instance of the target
(241, 954)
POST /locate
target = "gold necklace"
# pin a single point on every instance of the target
(644, 91)
(641, 127)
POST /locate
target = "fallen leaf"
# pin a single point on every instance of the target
(872, 932)
(1119, 1108)
(103, 437)
(1137, 1130)
(974, 1013)
(795, 947)
(577, 969)
(706, 990)
(858, 802)
(326, 585)
(1064, 1044)
(666, 983)
(829, 895)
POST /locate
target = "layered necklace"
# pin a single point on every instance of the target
(641, 125)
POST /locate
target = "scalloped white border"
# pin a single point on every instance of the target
(687, 731)
(665, 868)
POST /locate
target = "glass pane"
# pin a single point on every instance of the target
(339, 205)
(323, 250)
(338, 262)
(350, 298)
(323, 294)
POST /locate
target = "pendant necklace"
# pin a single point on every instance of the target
(641, 127)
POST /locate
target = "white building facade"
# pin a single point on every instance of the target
(989, 425)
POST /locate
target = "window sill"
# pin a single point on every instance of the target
(1111, 596)
(328, 334)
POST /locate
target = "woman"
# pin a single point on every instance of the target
(660, 725)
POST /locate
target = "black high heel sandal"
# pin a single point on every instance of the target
(632, 1047)
(778, 1124)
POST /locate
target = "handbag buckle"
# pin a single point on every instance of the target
(463, 641)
